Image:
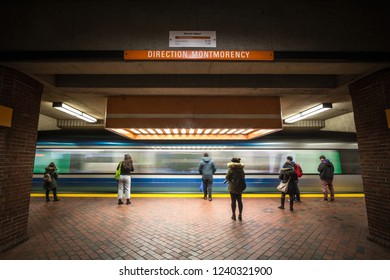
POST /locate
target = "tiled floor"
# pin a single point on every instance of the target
(192, 228)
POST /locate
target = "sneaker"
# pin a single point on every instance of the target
(205, 197)
(56, 199)
(210, 199)
(120, 202)
(325, 199)
(332, 199)
(234, 217)
(47, 199)
(239, 217)
(128, 202)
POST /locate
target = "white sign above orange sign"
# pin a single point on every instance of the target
(236, 55)
(193, 39)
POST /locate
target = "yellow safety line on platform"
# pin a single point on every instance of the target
(188, 195)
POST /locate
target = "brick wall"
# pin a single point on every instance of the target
(17, 152)
(370, 99)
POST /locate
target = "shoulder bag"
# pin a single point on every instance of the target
(283, 187)
(118, 172)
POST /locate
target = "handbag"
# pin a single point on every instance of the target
(201, 186)
(283, 187)
(47, 178)
(118, 172)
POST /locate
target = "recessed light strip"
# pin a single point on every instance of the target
(309, 112)
(191, 133)
(73, 111)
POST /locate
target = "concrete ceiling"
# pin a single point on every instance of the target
(301, 85)
(76, 50)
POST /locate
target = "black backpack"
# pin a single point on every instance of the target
(239, 181)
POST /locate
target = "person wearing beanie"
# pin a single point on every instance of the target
(124, 182)
(326, 170)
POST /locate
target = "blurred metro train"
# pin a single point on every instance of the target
(87, 162)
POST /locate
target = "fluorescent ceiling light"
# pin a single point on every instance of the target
(309, 112)
(74, 112)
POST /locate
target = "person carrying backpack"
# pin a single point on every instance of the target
(298, 170)
(50, 178)
(236, 178)
(326, 170)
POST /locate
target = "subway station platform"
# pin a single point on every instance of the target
(176, 228)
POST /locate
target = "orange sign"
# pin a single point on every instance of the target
(388, 117)
(235, 55)
(5, 116)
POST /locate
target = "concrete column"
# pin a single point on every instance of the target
(370, 99)
(20, 95)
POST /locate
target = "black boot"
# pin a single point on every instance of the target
(55, 194)
(240, 217)
(120, 201)
(128, 201)
(282, 199)
(234, 216)
(291, 205)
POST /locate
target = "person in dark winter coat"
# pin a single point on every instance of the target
(236, 170)
(50, 181)
(287, 173)
(124, 182)
(297, 191)
(207, 169)
(326, 170)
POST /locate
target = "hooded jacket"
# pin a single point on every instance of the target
(286, 173)
(235, 169)
(207, 167)
(52, 171)
(326, 170)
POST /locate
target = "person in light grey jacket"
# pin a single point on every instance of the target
(207, 169)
